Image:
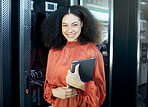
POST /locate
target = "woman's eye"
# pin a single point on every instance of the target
(64, 25)
(75, 24)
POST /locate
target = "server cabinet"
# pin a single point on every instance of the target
(32, 55)
(5, 54)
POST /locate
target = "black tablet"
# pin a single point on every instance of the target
(86, 68)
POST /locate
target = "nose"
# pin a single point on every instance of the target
(70, 29)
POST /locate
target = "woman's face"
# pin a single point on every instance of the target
(71, 27)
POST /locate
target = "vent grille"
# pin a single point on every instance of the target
(27, 33)
(24, 47)
(1, 58)
(5, 54)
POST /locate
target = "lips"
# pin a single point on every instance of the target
(70, 36)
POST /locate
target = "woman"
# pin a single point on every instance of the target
(71, 32)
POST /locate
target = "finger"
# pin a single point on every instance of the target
(71, 95)
(68, 72)
(66, 89)
(74, 89)
(68, 77)
(71, 92)
(77, 69)
(67, 80)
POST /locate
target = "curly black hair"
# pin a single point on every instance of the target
(52, 27)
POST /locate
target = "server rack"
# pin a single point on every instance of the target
(15, 18)
(5, 54)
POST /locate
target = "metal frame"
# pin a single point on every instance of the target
(139, 54)
(24, 51)
(124, 79)
(20, 25)
(5, 54)
(110, 51)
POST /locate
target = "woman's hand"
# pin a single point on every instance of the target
(73, 79)
(64, 92)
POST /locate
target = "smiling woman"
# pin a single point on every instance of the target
(71, 27)
(90, 32)
(71, 32)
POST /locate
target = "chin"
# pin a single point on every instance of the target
(71, 40)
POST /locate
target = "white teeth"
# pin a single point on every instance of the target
(70, 35)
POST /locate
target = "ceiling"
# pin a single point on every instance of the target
(144, 9)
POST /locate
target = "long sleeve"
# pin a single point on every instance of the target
(48, 92)
(95, 90)
(47, 85)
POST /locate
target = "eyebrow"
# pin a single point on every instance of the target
(72, 23)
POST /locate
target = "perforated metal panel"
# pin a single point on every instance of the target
(24, 49)
(1, 58)
(5, 54)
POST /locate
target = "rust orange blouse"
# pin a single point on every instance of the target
(95, 91)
